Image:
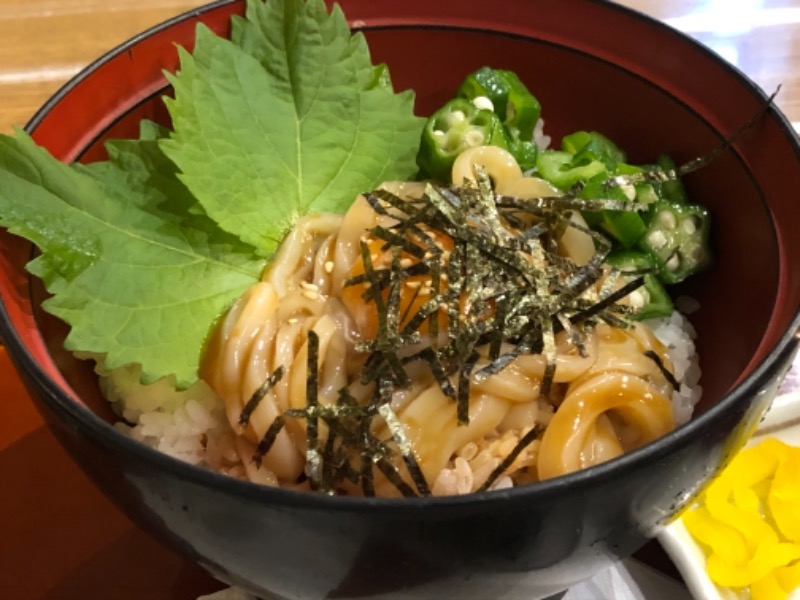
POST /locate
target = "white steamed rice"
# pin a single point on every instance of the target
(677, 334)
(191, 425)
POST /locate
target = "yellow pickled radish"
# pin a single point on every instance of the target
(748, 521)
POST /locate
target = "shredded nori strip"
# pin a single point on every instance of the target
(313, 457)
(500, 284)
(258, 395)
(366, 474)
(406, 449)
(386, 321)
(387, 468)
(525, 441)
(608, 301)
(660, 176)
(652, 355)
(499, 292)
(703, 161)
(462, 398)
(268, 439)
(492, 288)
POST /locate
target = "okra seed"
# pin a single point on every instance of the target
(474, 138)
(483, 103)
(674, 262)
(667, 219)
(697, 253)
(657, 239)
(638, 298)
(457, 117)
(688, 225)
(439, 135)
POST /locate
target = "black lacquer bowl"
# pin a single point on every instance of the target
(593, 65)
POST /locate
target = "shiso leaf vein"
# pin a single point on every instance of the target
(285, 119)
(142, 253)
(123, 273)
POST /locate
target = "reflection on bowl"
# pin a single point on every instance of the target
(593, 65)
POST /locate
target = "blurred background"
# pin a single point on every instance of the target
(44, 42)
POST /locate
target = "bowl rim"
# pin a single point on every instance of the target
(80, 416)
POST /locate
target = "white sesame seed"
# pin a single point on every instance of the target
(311, 295)
(329, 266)
(309, 286)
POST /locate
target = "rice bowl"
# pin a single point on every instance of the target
(549, 527)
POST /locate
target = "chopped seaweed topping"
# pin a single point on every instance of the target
(313, 455)
(258, 395)
(494, 288)
(664, 370)
(526, 440)
(468, 281)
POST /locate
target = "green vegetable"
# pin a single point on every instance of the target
(590, 146)
(673, 189)
(381, 77)
(624, 226)
(677, 240)
(488, 83)
(456, 126)
(651, 300)
(131, 278)
(558, 168)
(517, 108)
(144, 252)
(590, 160)
(285, 119)
(585, 157)
(524, 153)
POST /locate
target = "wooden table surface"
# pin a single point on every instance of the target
(60, 538)
(44, 42)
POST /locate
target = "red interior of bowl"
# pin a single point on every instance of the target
(626, 79)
